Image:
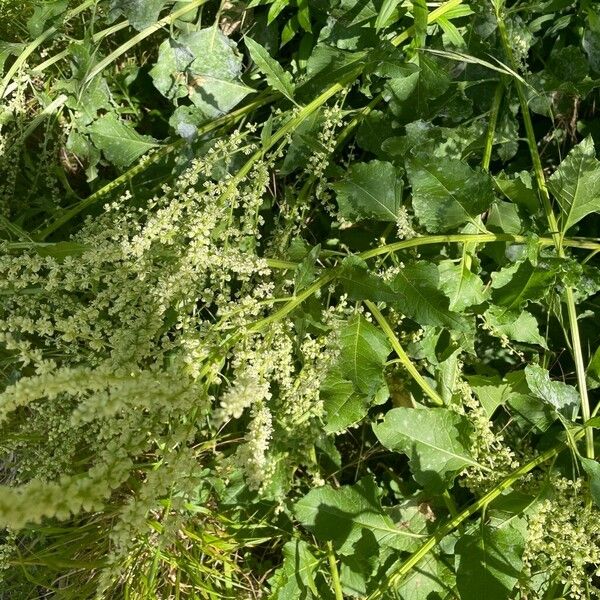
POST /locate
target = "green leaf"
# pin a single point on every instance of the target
(139, 13)
(204, 65)
(447, 192)
(370, 191)
(118, 140)
(519, 284)
(490, 560)
(346, 514)
(576, 184)
(429, 579)
(296, 576)
(519, 189)
(44, 11)
(419, 297)
(555, 393)
(277, 78)
(521, 327)
(592, 468)
(491, 392)
(436, 441)
(357, 381)
(385, 13)
(364, 350)
(462, 286)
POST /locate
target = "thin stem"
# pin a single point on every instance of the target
(401, 572)
(491, 130)
(556, 236)
(333, 571)
(404, 358)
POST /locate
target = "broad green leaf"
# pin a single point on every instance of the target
(490, 563)
(515, 286)
(118, 140)
(204, 65)
(296, 576)
(430, 578)
(344, 515)
(277, 78)
(519, 189)
(364, 350)
(357, 381)
(518, 327)
(491, 392)
(556, 393)
(436, 441)
(592, 468)
(447, 192)
(139, 13)
(419, 297)
(414, 291)
(43, 12)
(343, 405)
(576, 184)
(370, 191)
(461, 285)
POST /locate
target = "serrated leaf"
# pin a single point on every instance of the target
(118, 140)
(592, 468)
(419, 297)
(461, 285)
(44, 11)
(436, 441)
(576, 184)
(343, 515)
(139, 13)
(370, 191)
(490, 560)
(279, 79)
(555, 393)
(520, 327)
(447, 192)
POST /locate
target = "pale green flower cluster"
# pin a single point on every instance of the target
(563, 539)
(488, 447)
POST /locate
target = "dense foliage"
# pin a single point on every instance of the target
(299, 299)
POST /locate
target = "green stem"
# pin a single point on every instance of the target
(404, 358)
(401, 572)
(556, 235)
(333, 571)
(491, 130)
